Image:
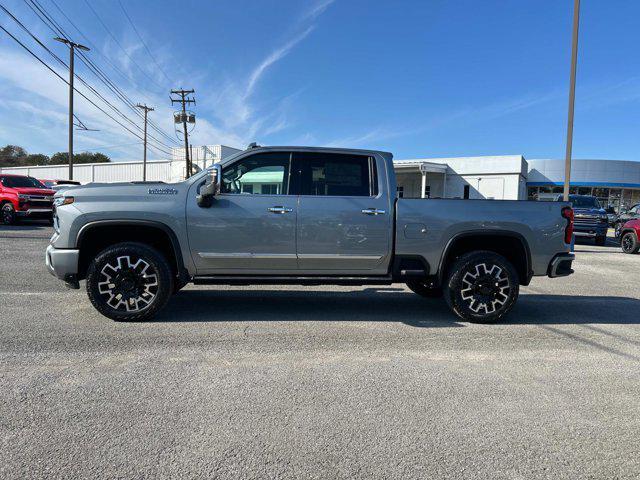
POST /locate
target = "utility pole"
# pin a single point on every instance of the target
(144, 158)
(72, 46)
(184, 101)
(572, 97)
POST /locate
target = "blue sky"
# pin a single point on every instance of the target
(419, 78)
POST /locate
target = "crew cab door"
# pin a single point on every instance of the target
(251, 226)
(344, 214)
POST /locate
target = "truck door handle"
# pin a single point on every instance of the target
(280, 209)
(372, 211)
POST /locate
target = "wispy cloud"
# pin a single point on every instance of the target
(317, 9)
(272, 58)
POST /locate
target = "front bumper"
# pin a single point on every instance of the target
(63, 263)
(560, 266)
(35, 212)
(590, 230)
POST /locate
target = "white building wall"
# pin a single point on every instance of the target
(98, 172)
(163, 170)
(496, 177)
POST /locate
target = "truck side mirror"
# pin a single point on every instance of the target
(210, 188)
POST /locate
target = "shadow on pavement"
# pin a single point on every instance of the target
(27, 229)
(612, 246)
(385, 305)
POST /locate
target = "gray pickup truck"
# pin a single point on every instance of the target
(297, 215)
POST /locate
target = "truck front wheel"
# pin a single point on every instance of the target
(481, 287)
(8, 214)
(129, 282)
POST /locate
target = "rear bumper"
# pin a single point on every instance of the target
(63, 263)
(561, 264)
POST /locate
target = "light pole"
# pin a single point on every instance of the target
(72, 46)
(572, 97)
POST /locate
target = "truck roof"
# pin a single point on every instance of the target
(317, 149)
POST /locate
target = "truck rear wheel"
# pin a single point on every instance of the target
(481, 287)
(129, 282)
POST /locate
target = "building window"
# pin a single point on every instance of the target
(400, 191)
(532, 193)
(427, 191)
(467, 190)
(269, 189)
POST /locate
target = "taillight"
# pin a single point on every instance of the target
(567, 212)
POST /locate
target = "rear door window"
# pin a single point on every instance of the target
(333, 174)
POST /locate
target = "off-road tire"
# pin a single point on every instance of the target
(140, 271)
(601, 241)
(424, 290)
(629, 243)
(481, 287)
(8, 214)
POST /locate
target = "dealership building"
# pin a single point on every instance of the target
(615, 182)
(508, 177)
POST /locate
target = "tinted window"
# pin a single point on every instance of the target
(21, 182)
(584, 202)
(259, 174)
(335, 174)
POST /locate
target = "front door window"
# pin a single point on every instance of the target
(260, 174)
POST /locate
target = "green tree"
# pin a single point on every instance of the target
(37, 159)
(62, 158)
(12, 156)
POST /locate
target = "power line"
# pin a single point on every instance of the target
(122, 74)
(118, 43)
(46, 65)
(112, 86)
(58, 30)
(93, 46)
(143, 42)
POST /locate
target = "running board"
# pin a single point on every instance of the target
(289, 280)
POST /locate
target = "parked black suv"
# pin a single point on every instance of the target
(632, 214)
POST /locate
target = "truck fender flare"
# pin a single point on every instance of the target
(487, 233)
(175, 244)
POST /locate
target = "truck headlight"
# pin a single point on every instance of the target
(59, 201)
(23, 198)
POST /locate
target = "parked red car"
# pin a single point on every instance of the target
(22, 197)
(629, 235)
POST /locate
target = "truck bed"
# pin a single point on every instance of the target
(426, 227)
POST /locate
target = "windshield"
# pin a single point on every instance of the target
(21, 182)
(584, 202)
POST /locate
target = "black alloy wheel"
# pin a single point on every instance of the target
(481, 287)
(629, 243)
(8, 214)
(129, 282)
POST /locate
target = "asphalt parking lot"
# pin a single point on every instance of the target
(309, 382)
